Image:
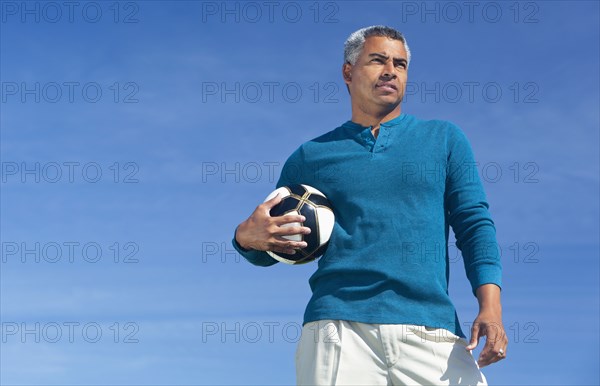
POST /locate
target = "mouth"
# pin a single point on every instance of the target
(388, 86)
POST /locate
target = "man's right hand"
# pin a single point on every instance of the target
(265, 233)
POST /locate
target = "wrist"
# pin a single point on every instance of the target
(488, 296)
(491, 309)
(241, 242)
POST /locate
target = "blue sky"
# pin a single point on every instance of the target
(135, 136)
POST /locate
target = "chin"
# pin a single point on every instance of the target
(391, 101)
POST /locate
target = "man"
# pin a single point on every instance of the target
(380, 312)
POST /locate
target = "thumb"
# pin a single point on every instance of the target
(474, 337)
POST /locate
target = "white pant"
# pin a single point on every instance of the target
(339, 352)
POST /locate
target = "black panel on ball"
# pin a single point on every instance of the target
(286, 205)
(297, 189)
(319, 200)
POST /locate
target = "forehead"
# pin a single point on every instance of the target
(384, 45)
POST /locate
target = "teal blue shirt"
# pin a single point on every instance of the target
(394, 198)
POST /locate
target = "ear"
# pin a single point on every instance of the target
(346, 73)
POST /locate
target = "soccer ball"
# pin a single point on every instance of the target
(314, 206)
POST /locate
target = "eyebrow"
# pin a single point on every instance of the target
(383, 56)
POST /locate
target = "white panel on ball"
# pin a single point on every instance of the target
(326, 221)
(292, 224)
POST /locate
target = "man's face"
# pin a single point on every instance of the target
(377, 80)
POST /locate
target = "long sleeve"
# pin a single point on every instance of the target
(467, 212)
(288, 174)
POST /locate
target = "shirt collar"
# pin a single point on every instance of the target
(391, 122)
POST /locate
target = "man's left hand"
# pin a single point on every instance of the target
(489, 324)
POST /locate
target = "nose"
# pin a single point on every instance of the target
(389, 70)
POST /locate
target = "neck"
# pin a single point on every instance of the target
(373, 120)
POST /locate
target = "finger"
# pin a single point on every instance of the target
(292, 230)
(486, 359)
(474, 337)
(500, 347)
(288, 218)
(488, 353)
(288, 249)
(496, 341)
(283, 250)
(492, 353)
(286, 244)
(273, 201)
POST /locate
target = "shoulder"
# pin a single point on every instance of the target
(316, 143)
(306, 161)
(322, 141)
(442, 129)
(330, 136)
(433, 124)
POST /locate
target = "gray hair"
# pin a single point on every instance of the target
(356, 41)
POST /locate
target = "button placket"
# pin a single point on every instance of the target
(368, 139)
(382, 139)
